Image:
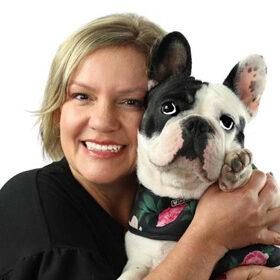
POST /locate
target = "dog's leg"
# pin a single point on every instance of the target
(139, 255)
(143, 255)
(134, 271)
(237, 170)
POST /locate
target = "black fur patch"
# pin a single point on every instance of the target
(240, 132)
(179, 89)
(230, 79)
(171, 56)
(196, 131)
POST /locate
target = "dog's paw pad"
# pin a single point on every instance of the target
(236, 169)
(238, 160)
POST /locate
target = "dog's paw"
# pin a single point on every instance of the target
(236, 170)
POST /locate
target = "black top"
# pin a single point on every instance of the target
(51, 228)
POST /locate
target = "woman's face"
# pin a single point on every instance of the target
(103, 110)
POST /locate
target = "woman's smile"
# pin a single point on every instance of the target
(103, 149)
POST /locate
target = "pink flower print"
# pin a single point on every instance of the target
(133, 222)
(169, 215)
(255, 257)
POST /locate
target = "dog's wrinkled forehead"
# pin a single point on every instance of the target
(179, 91)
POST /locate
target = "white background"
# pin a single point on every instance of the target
(220, 34)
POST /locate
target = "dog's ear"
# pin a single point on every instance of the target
(247, 80)
(171, 56)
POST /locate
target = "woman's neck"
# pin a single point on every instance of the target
(115, 198)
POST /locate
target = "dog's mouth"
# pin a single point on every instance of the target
(206, 165)
(189, 168)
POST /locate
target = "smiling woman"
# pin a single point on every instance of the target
(92, 108)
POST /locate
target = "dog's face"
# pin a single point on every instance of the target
(189, 126)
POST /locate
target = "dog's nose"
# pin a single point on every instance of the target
(195, 131)
(197, 126)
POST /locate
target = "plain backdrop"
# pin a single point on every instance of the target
(220, 33)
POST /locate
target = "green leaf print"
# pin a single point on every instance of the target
(233, 262)
(149, 202)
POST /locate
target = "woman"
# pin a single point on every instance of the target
(67, 220)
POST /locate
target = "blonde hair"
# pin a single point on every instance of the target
(112, 30)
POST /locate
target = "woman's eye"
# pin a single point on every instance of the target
(80, 96)
(133, 102)
(226, 122)
(169, 108)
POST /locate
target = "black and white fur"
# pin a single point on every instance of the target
(191, 136)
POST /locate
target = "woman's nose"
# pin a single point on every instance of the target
(104, 117)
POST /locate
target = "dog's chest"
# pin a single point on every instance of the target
(160, 218)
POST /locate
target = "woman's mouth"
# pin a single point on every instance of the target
(112, 148)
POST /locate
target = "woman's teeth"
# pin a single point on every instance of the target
(99, 148)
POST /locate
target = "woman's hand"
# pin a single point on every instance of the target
(236, 219)
(225, 221)
(253, 272)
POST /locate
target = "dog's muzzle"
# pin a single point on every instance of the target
(195, 132)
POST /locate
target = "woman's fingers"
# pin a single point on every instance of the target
(253, 272)
(246, 211)
(272, 217)
(269, 193)
(268, 237)
(256, 182)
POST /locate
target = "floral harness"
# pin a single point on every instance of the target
(164, 218)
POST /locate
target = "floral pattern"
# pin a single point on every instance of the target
(164, 218)
(160, 218)
(255, 257)
(169, 215)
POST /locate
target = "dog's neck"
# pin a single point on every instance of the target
(152, 213)
(173, 183)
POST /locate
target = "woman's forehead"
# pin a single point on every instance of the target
(124, 67)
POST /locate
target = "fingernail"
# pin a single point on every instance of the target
(269, 174)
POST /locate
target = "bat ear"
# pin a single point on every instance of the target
(171, 56)
(247, 80)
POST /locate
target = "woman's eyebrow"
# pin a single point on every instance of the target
(80, 84)
(128, 90)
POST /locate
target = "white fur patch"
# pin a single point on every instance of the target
(151, 84)
(163, 147)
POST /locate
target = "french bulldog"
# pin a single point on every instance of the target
(191, 136)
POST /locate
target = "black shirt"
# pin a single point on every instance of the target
(51, 228)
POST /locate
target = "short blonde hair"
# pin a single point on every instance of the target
(112, 30)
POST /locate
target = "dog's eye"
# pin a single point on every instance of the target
(169, 108)
(226, 122)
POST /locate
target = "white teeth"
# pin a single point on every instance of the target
(97, 147)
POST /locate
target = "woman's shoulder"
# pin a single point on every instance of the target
(24, 183)
(22, 230)
(19, 182)
(27, 199)
(26, 180)
(25, 227)
(45, 209)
